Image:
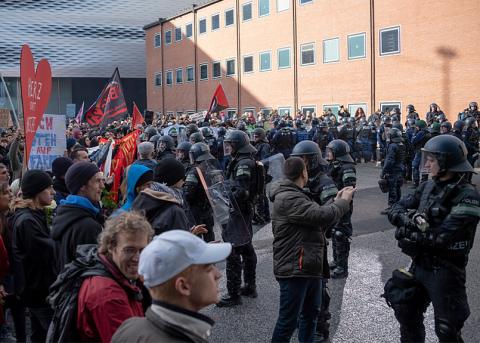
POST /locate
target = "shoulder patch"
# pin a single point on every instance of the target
(466, 209)
(243, 170)
(191, 178)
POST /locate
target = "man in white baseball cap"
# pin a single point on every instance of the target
(178, 268)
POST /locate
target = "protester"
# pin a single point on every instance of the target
(5, 197)
(33, 251)
(106, 301)
(15, 155)
(79, 219)
(146, 151)
(139, 177)
(59, 168)
(4, 174)
(180, 273)
(79, 154)
(299, 249)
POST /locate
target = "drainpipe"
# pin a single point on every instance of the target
(372, 55)
(194, 28)
(161, 20)
(239, 70)
(295, 59)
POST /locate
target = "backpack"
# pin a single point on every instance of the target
(63, 297)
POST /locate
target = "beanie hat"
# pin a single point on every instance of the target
(60, 166)
(79, 174)
(71, 142)
(146, 177)
(169, 171)
(33, 182)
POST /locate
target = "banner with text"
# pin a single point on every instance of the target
(49, 142)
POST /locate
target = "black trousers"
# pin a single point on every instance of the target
(242, 258)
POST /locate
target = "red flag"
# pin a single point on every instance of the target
(79, 116)
(137, 117)
(219, 102)
(110, 105)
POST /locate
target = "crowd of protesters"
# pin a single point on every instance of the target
(64, 251)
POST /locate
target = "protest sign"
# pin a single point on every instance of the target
(49, 142)
(5, 118)
(196, 117)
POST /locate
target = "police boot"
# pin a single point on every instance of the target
(230, 301)
(249, 291)
(333, 264)
(343, 249)
(322, 331)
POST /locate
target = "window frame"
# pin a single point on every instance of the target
(243, 64)
(282, 108)
(156, 78)
(186, 30)
(159, 35)
(251, 11)
(181, 34)
(211, 20)
(325, 106)
(269, 52)
(231, 109)
(233, 17)
(363, 105)
(186, 70)
(258, 8)
(249, 109)
(309, 2)
(213, 69)
(200, 26)
(386, 103)
(380, 45)
(289, 57)
(200, 71)
(171, 38)
(234, 66)
(338, 50)
(314, 54)
(308, 107)
(286, 9)
(364, 34)
(170, 71)
(269, 109)
(176, 76)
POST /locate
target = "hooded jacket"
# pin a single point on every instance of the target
(61, 191)
(135, 172)
(162, 209)
(77, 222)
(298, 224)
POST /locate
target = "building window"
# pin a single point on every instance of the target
(356, 46)
(307, 52)
(387, 107)
(229, 18)
(248, 64)
(283, 5)
(332, 108)
(283, 58)
(330, 50)
(178, 34)
(189, 30)
(215, 22)
(216, 70)
(157, 40)
(247, 110)
(179, 75)
(231, 67)
(284, 111)
(168, 37)
(231, 112)
(265, 61)
(390, 41)
(303, 2)
(169, 78)
(309, 110)
(266, 111)
(202, 26)
(352, 108)
(203, 71)
(263, 8)
(247, 11)
(190, 74)
(158, 79)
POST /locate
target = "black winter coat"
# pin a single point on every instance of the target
(298, 223)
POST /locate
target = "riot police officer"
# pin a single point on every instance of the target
(471, 111)
(166, 146)
(222, 159)
(210, 140)
(343, 173)
(262, 210)
(445, 128)
(471, 138)
(433, 113)
(411, 113)
(242, 177)
(182, 153)
(196, 137)
(457, 129)
(437, 233)
(393, 167)
(190, 128)
(194, 192)
(301, 132)
(323, 190)
(313, 129)
(284, 140)
(419, 139)
(322, 137)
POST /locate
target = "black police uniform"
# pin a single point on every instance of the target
(284, 141)
(393, 168)
(438, 236)
(262, 208)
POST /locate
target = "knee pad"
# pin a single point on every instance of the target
(446, 331)
(340, 237)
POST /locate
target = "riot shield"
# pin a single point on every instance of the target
(274, 167)
(225, 209)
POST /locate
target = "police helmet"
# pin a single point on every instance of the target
(206, 131)
(184, 146)
(281, 123)
(397, 125)
(459, 125)
(312, 152)
(470, 122)
(298, 123)
(154, 139)
(435, 128)
(260, 133)
(421, 124)
(410, 108)
(196, 137)
(315, 121)
(242, 126)
(395, 135)
(447, 125)
(166, 143)
(473, 106)
(289, 123)
(433, 107)
(173, 132)
(200, 152)
(191, 128)
(221, 131)
(340, 151)
(151, 131)
(239, 141)
(450, 152)
(351, 120)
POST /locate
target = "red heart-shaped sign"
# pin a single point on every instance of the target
(36, 89)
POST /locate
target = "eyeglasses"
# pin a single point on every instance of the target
(130, 251)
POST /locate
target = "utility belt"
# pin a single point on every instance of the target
(437, 261)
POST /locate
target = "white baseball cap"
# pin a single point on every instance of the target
(174, 251)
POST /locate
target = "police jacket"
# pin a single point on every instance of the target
(241, 179)
(394, 159)
(263, 151)
(298, 224)
(452, 210)
(322, 188)
(419, 140)
(344, 175)
(195, 195)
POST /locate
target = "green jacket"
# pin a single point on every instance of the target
(298, 223)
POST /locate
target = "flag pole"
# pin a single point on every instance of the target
(15, 118)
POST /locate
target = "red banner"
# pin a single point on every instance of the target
(110, 105)
(137, 117)
(36, 88)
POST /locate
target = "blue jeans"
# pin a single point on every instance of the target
(300, 299)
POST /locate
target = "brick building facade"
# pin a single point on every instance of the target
(312, 54)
